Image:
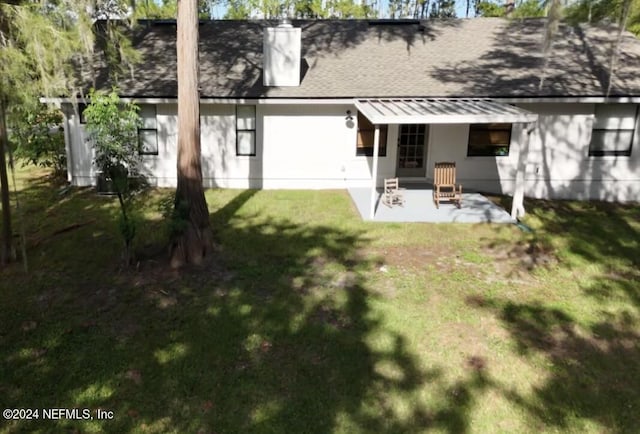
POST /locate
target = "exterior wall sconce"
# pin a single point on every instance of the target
(349, 120)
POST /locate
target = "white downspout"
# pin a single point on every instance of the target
(67, 143)
(374, 172)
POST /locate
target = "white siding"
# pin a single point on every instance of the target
(161, 168)
(220, 165)
(313, 146)
(559, 163)
(79, 153)
(491, 174)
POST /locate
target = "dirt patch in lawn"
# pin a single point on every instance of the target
(488, 265)
(412, 257)
(521, 258)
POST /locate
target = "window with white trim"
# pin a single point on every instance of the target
(614, 127)
(246, 130)
(148, 130)
(489, 140)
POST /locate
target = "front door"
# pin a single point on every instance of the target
(412, 151)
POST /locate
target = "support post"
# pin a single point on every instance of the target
(517, 207)
(374, 171)
(67, 141)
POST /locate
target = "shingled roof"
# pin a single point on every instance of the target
(480, 57)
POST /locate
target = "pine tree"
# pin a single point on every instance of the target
(193, 242)
(38, 41)
(41, 44)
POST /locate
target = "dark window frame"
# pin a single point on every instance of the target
(497, 126)
(155, 130)
(255, 124)
(411, 145)
(81, 108)
(615, 153)
(367, 151)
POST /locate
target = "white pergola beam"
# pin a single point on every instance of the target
(441, 111)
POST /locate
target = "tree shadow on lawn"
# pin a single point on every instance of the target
(65, 227)
(594, 372)
(563, 231)
(275, 336)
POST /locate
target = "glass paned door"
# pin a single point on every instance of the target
(412, 155)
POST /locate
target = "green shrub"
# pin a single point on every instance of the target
(38, 136)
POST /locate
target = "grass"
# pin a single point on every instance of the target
(309, 320)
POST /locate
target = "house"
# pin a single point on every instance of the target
(337, 104)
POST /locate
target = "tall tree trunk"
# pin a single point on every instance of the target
(7, 233)
(194, 242)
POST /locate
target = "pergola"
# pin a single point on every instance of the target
(448, 111)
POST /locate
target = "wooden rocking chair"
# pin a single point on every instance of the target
(392, 194)
(444, 184)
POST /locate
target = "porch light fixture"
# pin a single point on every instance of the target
(349, 120)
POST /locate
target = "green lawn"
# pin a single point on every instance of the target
(310, 320)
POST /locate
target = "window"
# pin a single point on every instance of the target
(246, 130)
(366, 131)
(489, 140)
(148, 131)
(411, 146)
(613, 130)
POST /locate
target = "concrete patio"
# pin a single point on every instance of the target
(419, 207)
